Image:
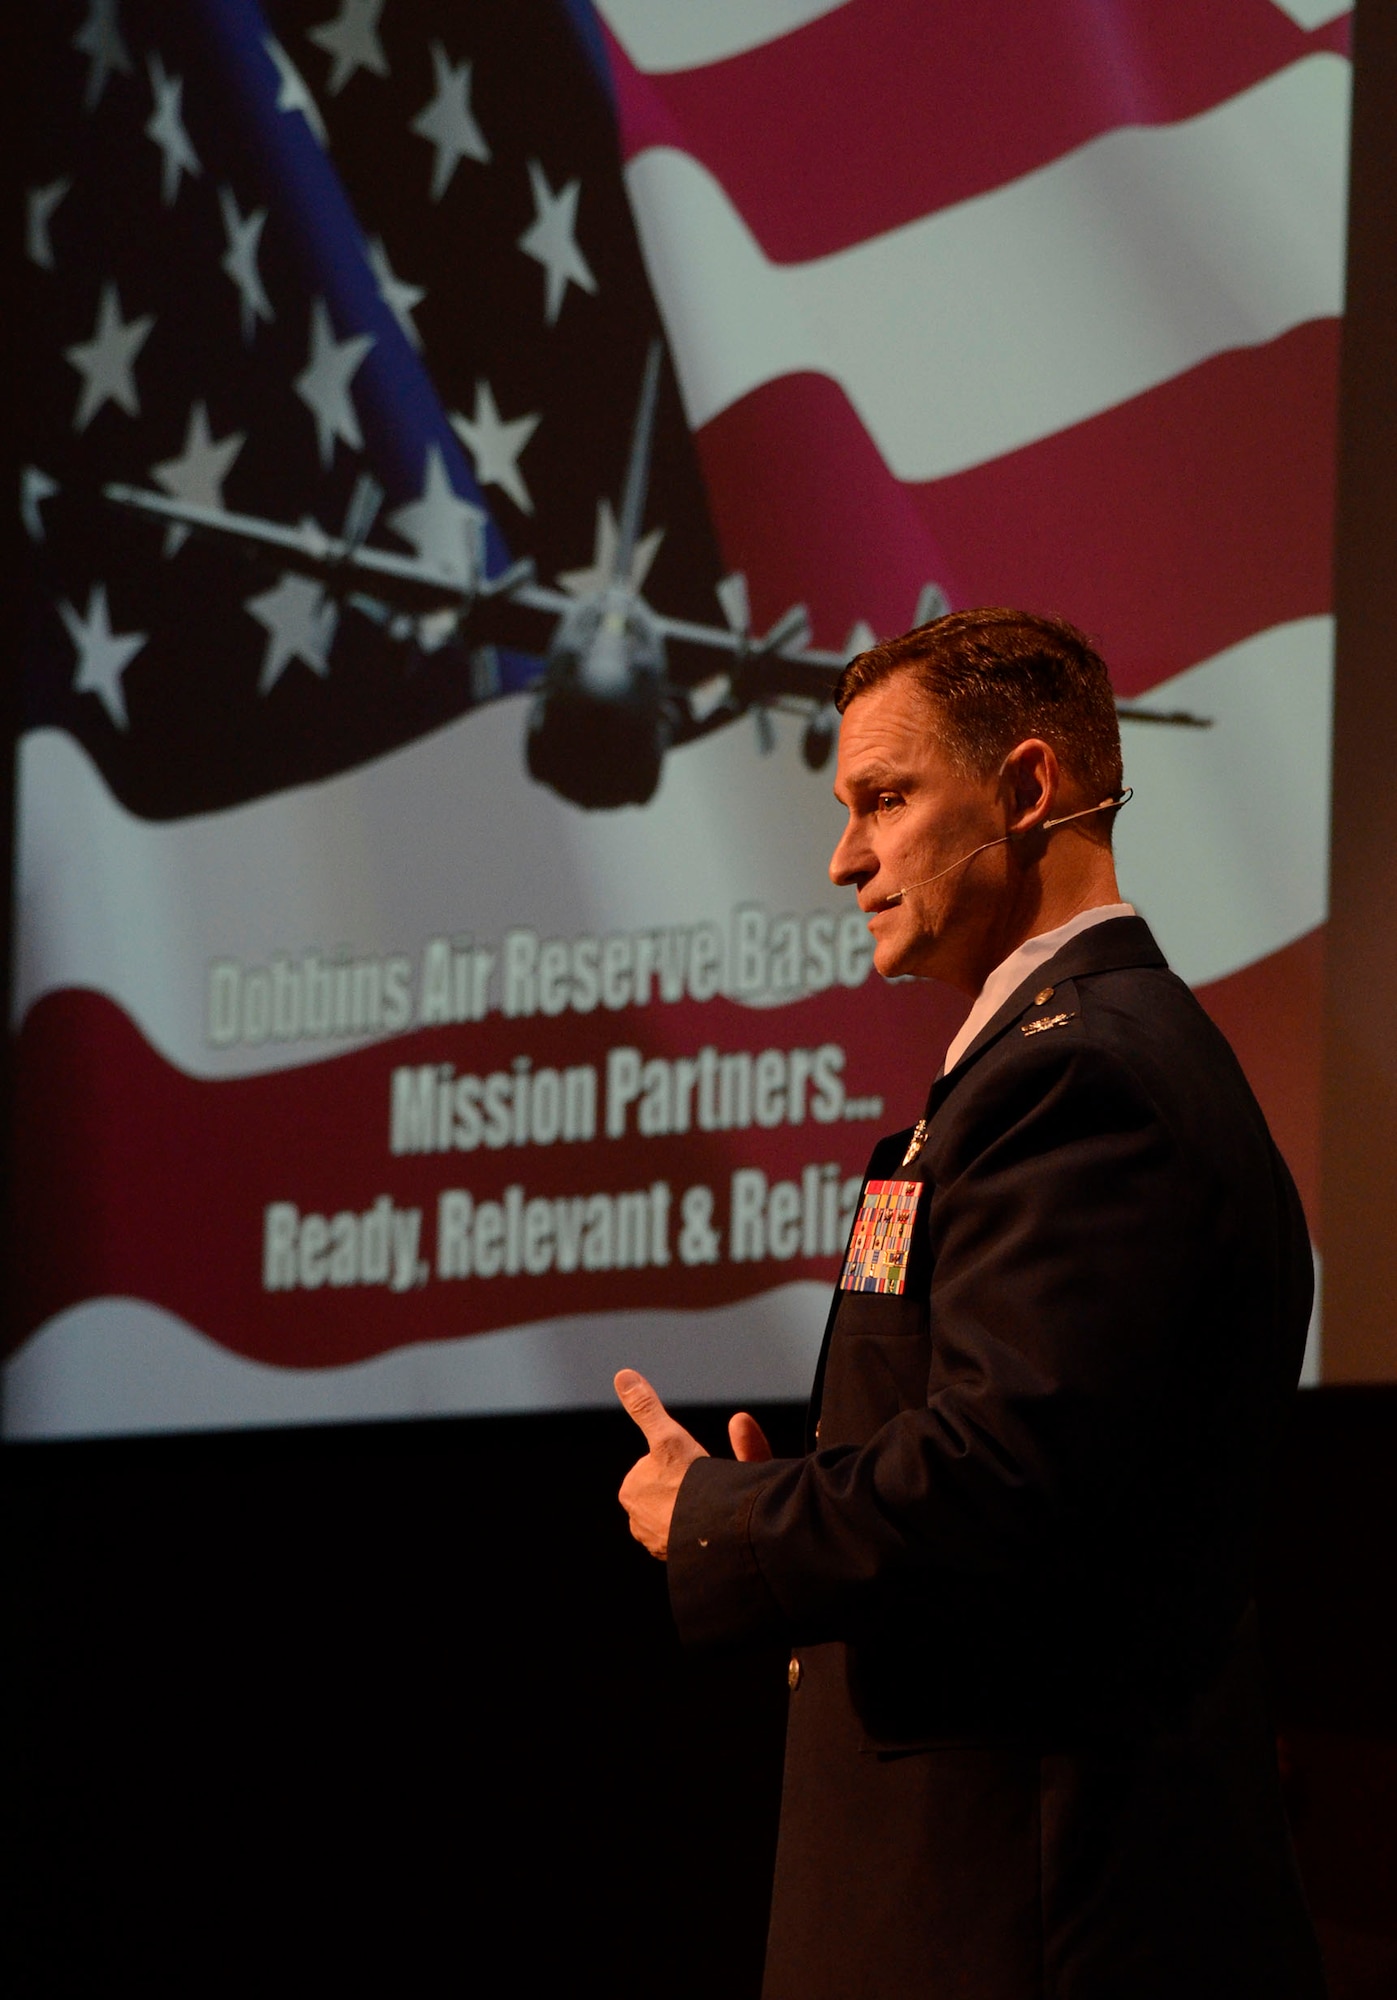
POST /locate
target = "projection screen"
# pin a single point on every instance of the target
(462, 444)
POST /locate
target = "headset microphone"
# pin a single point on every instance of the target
(1106, 805)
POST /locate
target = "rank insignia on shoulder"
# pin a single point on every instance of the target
(917, 1140)
(1046, 1021)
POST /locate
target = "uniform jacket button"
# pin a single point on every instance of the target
(793, 1673)
(1041, 998)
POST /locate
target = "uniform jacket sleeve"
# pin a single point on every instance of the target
(1067, 1246)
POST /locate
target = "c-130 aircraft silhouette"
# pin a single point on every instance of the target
(605, 708)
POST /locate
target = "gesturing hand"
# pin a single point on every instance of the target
(747, 1438)
(651, 1487)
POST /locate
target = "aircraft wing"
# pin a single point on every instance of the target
(542, 597)
(1176, 718)
(784, 662)
(782, 665)
(799, 672)
(339, 563)
(811, 675)
(788, 637)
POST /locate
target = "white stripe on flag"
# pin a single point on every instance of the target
(968, 333)
(1312, 14)
(115, 1366)
(1224, 849)
(660, 35)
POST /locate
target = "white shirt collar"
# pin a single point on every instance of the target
(1019, 965)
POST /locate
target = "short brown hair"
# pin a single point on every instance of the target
(997, 676)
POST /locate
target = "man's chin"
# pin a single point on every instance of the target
(902, 957)
(894, 958)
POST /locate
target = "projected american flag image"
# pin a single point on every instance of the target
(461, 446)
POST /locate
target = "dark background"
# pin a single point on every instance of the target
(1359, 1158)
(402, 1705)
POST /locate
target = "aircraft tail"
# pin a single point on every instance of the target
(638, 469)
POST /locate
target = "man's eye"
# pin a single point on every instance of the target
(888, 801)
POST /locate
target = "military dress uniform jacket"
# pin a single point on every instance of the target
(1027, 1755)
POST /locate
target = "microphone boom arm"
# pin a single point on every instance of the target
(1106, 805)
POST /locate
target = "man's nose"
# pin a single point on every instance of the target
(850, 861)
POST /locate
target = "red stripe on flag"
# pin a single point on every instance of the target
(1272, 1013)
(136, 1180)
(886, 110)
(1170, 527)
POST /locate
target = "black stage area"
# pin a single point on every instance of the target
(403, 1704)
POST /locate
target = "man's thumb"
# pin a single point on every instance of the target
(640, 1403)
(747, 1438)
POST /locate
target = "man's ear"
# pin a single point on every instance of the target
(1031, 776)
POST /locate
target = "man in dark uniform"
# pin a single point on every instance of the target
(1027, 1755)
